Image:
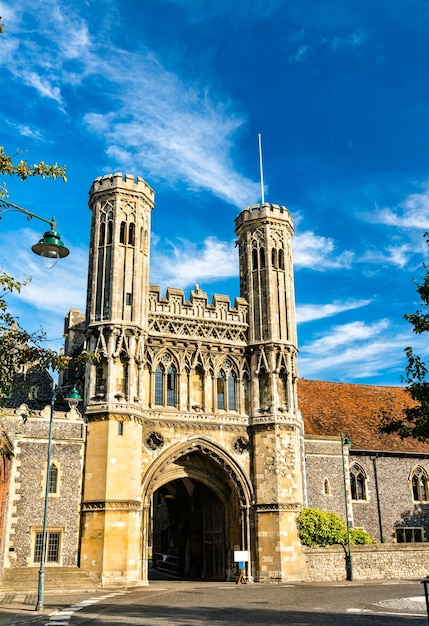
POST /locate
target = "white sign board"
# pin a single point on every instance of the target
(241, 556)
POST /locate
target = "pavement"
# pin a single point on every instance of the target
(19, 608)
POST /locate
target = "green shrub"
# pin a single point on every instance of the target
(321, 528)
(360, 537)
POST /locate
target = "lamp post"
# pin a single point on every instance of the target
(50, 247)
(345, 441)
(73, 400)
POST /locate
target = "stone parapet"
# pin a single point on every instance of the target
(259, 212)
(126, 182)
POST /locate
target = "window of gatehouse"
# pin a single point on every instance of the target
(166, 381)
(221, 392)
(326, 487)
(409, 534)
(52, 547)
(53, 479)
(358, 483)
(419, 485)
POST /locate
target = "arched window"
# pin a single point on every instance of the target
(232, 399)
(109, 232)
(255, 263)
(53, 479)
(262, 256)
(171, 386)
(274, 258)
(419, 485)
(131, 233)
(159, 385)
(357, 483)
(102, 233)
(246, 386)
(326, 487)
(221, 392)
(281, 259)
(122, 233)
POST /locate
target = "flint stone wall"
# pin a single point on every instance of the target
(373, 562)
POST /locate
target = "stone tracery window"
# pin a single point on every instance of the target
(419, 485)
(166, 381)
(226, 388)
(358, 483)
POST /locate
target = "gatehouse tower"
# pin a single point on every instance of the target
(194, 447)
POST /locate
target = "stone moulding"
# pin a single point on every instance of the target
(112, 505)
(276, 507)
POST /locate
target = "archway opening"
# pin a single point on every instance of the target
(188, 531)
(195, 520)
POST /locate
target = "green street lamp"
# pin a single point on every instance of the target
(50, 247)
(73, 400)
(345, 441)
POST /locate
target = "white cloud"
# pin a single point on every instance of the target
(311, 312)
(301, 54)
(413, 212)
(176, 131)
(354, 351)
(394, 255)
(318, 253)
(185, 264)
(349, 41)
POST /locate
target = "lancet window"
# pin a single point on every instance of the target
(419, 485)
(166, 384)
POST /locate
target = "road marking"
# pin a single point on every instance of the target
(62, 618)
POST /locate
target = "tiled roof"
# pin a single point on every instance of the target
(331, 408)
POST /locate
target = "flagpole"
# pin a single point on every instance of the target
(260, 167)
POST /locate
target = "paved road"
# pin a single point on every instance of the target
(224, 604)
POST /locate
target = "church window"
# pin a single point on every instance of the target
(33, 392)
(131, 234)
(122, 233)
(120, 428)
(262, 256)
(357, 483)
(159, 385)
(419, 485)
(53, 479)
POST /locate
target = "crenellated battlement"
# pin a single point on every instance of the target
(198, 306)
(126, 182)
(259, 212)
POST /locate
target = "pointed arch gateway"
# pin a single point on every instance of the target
(196, 509)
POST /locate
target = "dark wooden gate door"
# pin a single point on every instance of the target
(213, 538)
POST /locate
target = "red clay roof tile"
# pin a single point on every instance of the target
(331, 408)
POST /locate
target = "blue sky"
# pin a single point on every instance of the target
(176, 91)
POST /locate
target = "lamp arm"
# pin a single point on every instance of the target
(14, 207)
